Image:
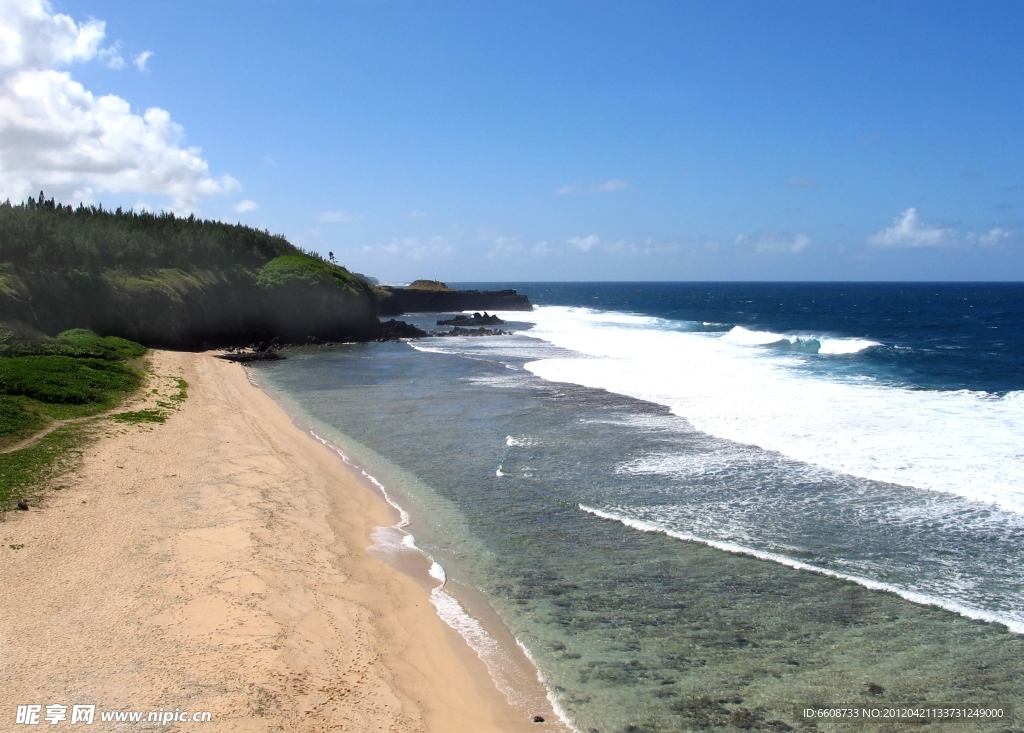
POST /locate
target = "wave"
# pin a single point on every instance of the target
(957, 442)
(827, 345)
(397, 538)
(448, 608)
(1016, 625)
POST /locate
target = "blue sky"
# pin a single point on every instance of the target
(569, 140)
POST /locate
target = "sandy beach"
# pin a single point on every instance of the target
(218, 563)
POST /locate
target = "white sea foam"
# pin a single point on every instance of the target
(555, 704)
(822, 344)
(396, 538)
(958, 442)
(1014, 624)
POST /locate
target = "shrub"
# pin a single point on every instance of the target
(66, 380)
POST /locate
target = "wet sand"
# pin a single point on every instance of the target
(218, 562)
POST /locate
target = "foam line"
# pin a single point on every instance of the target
(446, 605)
(1014, 625)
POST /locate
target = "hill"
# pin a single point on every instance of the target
(170, 281)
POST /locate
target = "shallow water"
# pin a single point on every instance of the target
(541, 496)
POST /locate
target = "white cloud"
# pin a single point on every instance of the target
(112, 56)
(242, 206)
(339, 216)
(767, 243)
(57, 136)
(417, 248)
(907, 230)
(992, 237)
(31, 37)
(584, 244)
(540, 249)
(571, 188)
(141, 59)
(511, 247)
(417, 214)
(610, 186)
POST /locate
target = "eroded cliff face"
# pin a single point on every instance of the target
(192, 310)
(393, 301)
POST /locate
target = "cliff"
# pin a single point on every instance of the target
(430, 296)
(171, 282)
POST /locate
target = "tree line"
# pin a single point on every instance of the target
(42, 234)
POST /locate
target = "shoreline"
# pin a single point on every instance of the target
(478, 629)
(219, 562)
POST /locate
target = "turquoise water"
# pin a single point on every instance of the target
(575, 476)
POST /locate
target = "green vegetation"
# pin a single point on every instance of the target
(45, 235)
(79, 342)
(428, 285)
(24, 472)
(78, 386)
(165, 280)
(17, 422)
(182, 394)
(76, 374)
(301, 268)
(140, 416)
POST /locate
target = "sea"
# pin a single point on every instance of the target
(704, 505)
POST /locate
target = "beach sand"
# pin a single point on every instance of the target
(218, 562)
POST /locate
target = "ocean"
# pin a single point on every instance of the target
(704, 505)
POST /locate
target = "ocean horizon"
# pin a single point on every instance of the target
(701, 504)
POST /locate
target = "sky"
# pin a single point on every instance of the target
(511, 141)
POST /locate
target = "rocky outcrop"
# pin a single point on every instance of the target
(474, 320)
(393, 301)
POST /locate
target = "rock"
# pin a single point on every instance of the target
(23, 505)
(394, 330)
(460, 331)
(538, 718)
(475, 320)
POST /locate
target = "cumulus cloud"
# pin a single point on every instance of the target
(242, 206)
(141, 59)
(338, 216)
(111, 56)
(908, 231)
(768, 243)
(584, 244)
(57, 136)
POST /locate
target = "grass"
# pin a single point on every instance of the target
(17, 422)
(81, 343)
(75, 375)
(26, 472)
(85, 385)
(291, 269)
(182, 393)
(140, 416)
